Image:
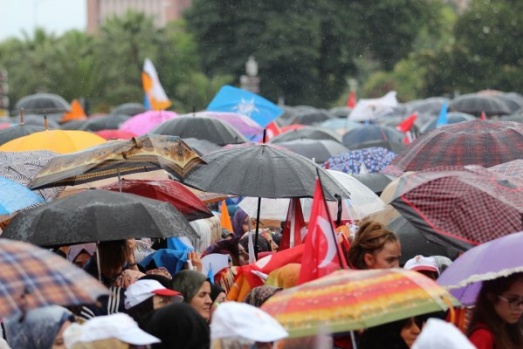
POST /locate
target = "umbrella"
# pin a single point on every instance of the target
(166, 190)
(202, 127)
(58, 141)
(14, 197)
(129, 109)
(112, 135)
(261, 170)
(375, 159)
(479, 142)
(371, 133)
(307, 132)
(43, 103)
(37, 120)
(414, 243)
(141, 124)
(340, 125)
(201, 146)
(512, 168)
(14, 132)
(97, 215)
(476, 104)
(374, 181)
(312, 116)
(106, 122)
(452, 118)
(496, 258)
(245, 125)
(318, 149)
(430, 106)
(340, 112)
(141, 154)
(471, 205)
(355, 299)
(21, 167)
(33, 277)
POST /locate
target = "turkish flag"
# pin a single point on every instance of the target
(322, 254)
(295, 228)
(406, 125)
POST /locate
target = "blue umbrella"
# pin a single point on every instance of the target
(375, 159)
(14, 196)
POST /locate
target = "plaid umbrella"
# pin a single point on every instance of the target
(375, 159)
(478, 142)
(141, 154)
(33, 277)
(512, 168)
(356, 299)
(474, 205)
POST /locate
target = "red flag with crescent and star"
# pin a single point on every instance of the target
(322, 253)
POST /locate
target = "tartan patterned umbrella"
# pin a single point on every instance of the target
(471, 204)
(141, 154)
(479, 142)
(356, 299)
(33, 277)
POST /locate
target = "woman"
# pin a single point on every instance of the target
(196, 290)
(41, 328)
(397, 334)
(79, 254)
(218, 296)
(374, 247)
(496, 318)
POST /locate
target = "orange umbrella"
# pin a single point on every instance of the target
(58, 141)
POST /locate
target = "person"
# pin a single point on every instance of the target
(236, 324)
(116, 331)
(374, 247)
(240, 222)
(79, 254)
(231, 247)
(196, 290)
(218, 296)
(259, 295)
(40, 328)
(179, 326)
(145, 296)
(424, 265)
(495, 321)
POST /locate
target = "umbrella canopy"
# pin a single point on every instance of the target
(307, 132)
(244, 124)
(34, 277)
(478, 142)
(311, 116)
(129, 109)
(355, 299)
(374, 181)
(112, 135)
(341, 126)
(496, 258)
(37, 120)
(142, 154)
(263, 171)
(430, 106)
(202, 127)
(166, 190)
(14, 197)
(98, 215)
(106, 122)
(58, 141)
(375, 159)
(354, 138)
(452, 118)
(14, 132)
(23, 166)
(318, 149)
(476, 104)
(202, 146)
(141, 124)
(43, 103)
(512, 168)
(462, 203)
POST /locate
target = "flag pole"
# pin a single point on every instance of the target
(258, 210)
(329, 216)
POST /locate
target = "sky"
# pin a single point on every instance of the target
(55, 16)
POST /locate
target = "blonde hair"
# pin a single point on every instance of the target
(370, 238)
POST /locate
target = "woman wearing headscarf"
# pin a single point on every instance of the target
(79, 255)
(240, 222)
(40, 328)
(179, 326)
(218, 296)
(196, 290)
(259, 295)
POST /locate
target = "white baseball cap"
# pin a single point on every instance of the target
(144, 289)
(242, 320)
(421, 263)
(119, 326)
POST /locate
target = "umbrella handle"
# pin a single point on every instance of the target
(452, 311)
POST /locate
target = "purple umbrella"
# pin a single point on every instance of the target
(493, 259)
(141, 124)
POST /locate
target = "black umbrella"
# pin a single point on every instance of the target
(476, 104)
(202, 146)
(371, 135)
(375, 181)
(129, 109)
(307, 132)
(38, 120)
(261, 170)
(320, 150)
(43, 103)
(98, 215)
(107, 122)
(311, 117)
(201, 127)
(413, 242)
(13, 132)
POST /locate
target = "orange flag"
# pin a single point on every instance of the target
(225, 217)
(76, 112)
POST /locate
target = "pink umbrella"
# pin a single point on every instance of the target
(115, 134)
(244, 124)
(141, 124)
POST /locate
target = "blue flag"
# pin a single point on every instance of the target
(236, 100)
(442, 118)
(146, 103)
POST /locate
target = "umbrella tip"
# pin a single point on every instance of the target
(46, 123)
(21, 116)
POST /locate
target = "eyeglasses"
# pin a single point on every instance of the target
(514, 303)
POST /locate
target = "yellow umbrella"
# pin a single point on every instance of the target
(59, 141)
